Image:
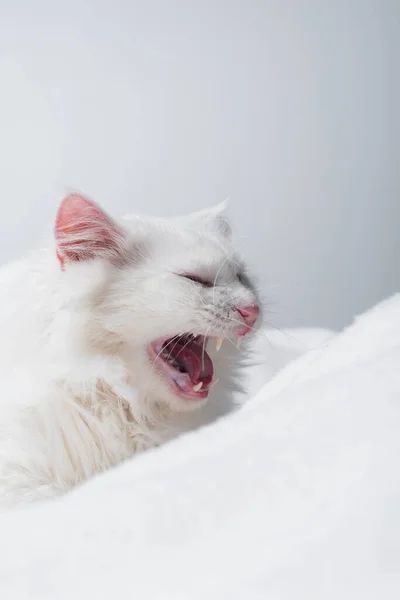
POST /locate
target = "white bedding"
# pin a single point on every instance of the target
(295, 496)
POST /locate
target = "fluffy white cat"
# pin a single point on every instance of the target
(106, 342)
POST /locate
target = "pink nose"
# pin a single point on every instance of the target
(249, 314)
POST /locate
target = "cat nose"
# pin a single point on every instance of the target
(249, 315)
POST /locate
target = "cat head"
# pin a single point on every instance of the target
(164, 293)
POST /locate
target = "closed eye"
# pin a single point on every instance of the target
(197, 279)
(243, 280)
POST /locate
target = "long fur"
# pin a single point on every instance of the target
(78, 393)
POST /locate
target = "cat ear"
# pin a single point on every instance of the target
(83, 231)
(213, 218)
(218, 210)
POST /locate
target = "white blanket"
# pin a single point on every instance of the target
(295, 496)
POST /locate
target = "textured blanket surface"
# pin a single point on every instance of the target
(297, 495)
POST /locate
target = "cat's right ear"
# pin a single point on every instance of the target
(83, 231)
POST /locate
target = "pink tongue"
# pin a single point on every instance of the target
(194, 360)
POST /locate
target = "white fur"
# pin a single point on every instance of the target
(78, 393)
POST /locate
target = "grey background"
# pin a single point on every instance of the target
(287, 107)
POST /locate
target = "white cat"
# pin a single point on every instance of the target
(105, 342)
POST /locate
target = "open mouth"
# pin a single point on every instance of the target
(184, 362)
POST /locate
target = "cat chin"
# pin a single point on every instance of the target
(151, 389)
(155, 389)
(183, 405)
(161, 393)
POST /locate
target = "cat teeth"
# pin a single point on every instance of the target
(218, 343)
(238, 342)
(197, 387)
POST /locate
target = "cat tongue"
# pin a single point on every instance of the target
(194, 360)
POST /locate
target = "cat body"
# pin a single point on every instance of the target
(109, 343)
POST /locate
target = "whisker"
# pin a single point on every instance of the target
(228, 339)
(177, 337)
(261, 332)
(227, 257)
(284, 333)
(204, 348)
(199, 295)
(162, 349)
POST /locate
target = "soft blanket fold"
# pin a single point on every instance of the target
(295, 496)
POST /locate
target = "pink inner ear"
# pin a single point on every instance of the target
(83, 231)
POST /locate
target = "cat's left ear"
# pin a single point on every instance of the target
(83, 231)
(214, 218)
